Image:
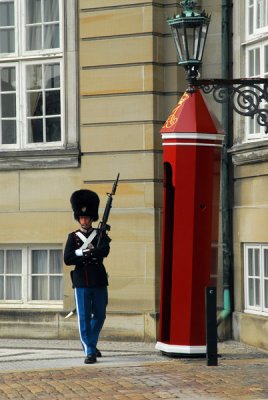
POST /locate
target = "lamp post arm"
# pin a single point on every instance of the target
(247, 96)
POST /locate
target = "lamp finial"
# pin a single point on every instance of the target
(188, 5)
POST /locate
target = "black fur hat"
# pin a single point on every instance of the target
(85, 203)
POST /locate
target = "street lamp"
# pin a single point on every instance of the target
(189, 31)
(246, 96)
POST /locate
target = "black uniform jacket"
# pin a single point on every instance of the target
(89, 269)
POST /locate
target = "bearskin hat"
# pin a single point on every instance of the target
(85, 203)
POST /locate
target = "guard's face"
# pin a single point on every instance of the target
(85, 222)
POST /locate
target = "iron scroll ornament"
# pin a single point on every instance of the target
(247, 96)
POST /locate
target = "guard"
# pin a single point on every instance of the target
(86, 250)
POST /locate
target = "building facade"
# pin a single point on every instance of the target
(250, 168)
(85, 89)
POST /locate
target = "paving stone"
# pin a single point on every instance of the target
(53, 370)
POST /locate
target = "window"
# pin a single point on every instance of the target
(257, 17)
(8, 105)
(257, 66)
(256, 51)
(10, 274)
(36, 86)
(7, 27)
(34, 103)
(256, 278)
(43, 103)
(31, 276)
(42, 24)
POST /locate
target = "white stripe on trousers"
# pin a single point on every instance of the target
(78, 318)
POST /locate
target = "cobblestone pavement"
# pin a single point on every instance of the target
(32, 369)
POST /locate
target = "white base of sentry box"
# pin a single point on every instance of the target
(177, 349)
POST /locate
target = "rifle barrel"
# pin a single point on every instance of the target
(115, 185)
(103, 224)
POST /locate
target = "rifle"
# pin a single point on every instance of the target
(103, 226)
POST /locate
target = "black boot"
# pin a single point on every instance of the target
(91, 359)
(98, 353)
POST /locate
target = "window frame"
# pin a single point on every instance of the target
(59, 49)
(254, 47)
(15, 53)
(40, 248)
(26, 301)
(253, 8)
(255, 309)
(59, 154)
(43, 145)
(14, 302)
(17, 144)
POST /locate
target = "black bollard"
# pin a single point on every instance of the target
(211, 326)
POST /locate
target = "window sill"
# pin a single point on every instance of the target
(250, 152)
(30, 306)
(255, 38)
(39, 159)
(255, 312)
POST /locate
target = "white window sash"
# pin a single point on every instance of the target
(261, 10)
(257, 31)
(20, 60)
(265, 309)
(6, 274)
(15, 53)
(48, 275)
(45, 51)
(247, 277)
(17, 144)
(23, 107)
(69, 85)
(26, 281)
(251, 51)
(256, 309)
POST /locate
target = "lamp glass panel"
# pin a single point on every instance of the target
(178, 42)
(184, 41)
(203, 35)
(197, 37)
(190, 40)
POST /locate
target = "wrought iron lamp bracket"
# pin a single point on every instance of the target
(247, 96)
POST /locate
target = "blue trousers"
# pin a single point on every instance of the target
(91, 306)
